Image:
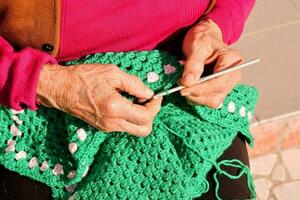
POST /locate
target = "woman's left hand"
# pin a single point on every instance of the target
(204, 44)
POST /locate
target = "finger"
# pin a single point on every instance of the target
(209, 87)
(121, 125)
(193, 69)
(139, 114)
(133, 129)
(154, 105)
(134, 86)
(222, 84)
(213, 100)
(228, 58)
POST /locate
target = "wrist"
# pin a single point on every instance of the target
(209, 27)
(50, 85)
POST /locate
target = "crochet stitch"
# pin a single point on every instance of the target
(80, 162)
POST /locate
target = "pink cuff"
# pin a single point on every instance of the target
(19, 74)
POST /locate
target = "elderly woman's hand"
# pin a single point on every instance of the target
(92, 93)
(203, 44)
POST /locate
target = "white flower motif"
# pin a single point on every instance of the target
(73, 147)
(81, 134)
(71, 188)
(10, 145)
(152, 77)
(15, 112)
(231, 107)
(71, 174)
(11, 142)
(44, 166)
(169, 69)
(33, 162)
(58, 169)
(16, 119)
(15, 131)
(181, 62)
(20, 155)
(10, 148)
(243, 111)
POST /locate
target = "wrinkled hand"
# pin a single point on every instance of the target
(204, 44)
(92, 93)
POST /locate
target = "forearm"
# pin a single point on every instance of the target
(19, 74)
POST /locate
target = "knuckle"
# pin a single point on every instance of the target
(236, 54)
(112, 107)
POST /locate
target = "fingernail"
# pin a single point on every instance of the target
(189, 77)
(149, 93)
(220, 106)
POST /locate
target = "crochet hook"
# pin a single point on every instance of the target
(206, 78)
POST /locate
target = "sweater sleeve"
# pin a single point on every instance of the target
(230, 16)
(19, 73)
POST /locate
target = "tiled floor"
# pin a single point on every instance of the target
(275, 159)
(277, 175)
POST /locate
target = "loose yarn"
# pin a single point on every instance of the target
(80, 162)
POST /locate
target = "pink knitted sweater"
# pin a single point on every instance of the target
(109, 26)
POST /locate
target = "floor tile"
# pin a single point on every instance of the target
(262, 188)
(291, 160)
(288, 191)
(263, 165)
(279, 173)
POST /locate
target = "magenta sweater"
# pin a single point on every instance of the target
(109, 26)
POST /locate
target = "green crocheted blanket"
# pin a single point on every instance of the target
(79, 162)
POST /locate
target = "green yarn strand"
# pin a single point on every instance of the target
(243, 170)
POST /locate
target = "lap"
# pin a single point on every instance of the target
(230, 189)
(13, 186)
(16, 187)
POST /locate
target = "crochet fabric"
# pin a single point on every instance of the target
(79, 162)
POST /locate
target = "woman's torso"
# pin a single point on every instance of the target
(86, 27)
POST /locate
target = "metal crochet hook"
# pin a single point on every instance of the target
(206, 78)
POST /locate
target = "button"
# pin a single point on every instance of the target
(47, 47)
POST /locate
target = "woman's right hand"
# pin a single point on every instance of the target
(92, 93)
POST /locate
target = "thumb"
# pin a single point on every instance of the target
(154, 105)
(134, 86)
(193, 68)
